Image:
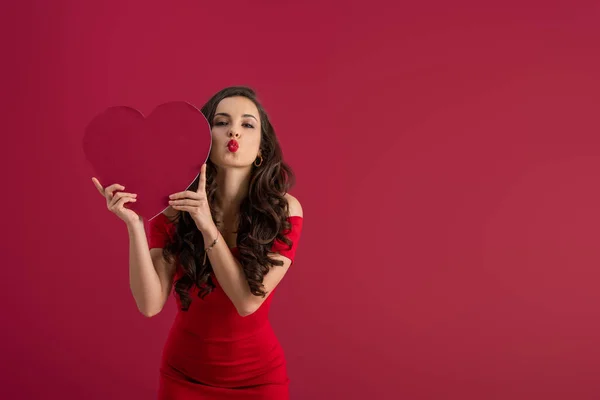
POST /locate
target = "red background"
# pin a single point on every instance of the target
(447, 161)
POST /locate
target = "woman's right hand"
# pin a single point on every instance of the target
(115, 201)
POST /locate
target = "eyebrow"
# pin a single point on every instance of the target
(245, 115)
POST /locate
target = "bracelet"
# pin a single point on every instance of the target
(206, 250)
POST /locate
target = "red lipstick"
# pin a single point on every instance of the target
(233, 145)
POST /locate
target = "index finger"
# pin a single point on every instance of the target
(98, 185)
(202, 182)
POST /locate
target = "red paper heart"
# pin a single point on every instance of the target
(153, 157)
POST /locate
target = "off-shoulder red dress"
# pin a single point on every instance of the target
(214, 353)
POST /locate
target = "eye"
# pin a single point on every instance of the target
(249, 125)
(220, 123)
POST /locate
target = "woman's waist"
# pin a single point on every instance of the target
(212, 359)
(215, 334)
(219, 327)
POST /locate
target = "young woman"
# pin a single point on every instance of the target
(223, 246)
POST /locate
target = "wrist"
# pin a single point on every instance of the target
(210, 233)
(133, 226)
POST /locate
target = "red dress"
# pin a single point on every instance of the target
(214, 353)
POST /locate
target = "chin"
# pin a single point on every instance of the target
(231, 160)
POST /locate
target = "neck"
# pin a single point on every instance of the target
(232, 188)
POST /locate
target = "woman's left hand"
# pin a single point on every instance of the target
(195, 203)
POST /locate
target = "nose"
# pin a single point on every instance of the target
(234, 134)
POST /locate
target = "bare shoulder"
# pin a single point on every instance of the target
(294, 205)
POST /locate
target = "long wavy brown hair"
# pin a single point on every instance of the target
(263, 214)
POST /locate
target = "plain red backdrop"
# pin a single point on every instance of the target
(447, 161)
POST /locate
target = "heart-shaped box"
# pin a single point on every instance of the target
(153, 157)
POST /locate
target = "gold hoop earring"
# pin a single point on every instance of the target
(261, 161)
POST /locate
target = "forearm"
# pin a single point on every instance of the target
(228, 271)
(143, 280)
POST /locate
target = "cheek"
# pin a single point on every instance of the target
(257, 139)
(218, 134)
(254, 147)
